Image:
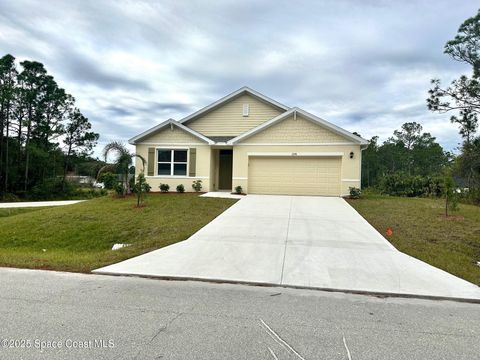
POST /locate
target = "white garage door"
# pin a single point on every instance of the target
(294, 175)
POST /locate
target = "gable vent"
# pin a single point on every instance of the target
(246, 109)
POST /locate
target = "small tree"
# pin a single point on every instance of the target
(140, 188)
(122, 162)
(451, 199)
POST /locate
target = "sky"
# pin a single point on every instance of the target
(363, 65)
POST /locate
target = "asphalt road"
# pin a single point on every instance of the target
(101, 317)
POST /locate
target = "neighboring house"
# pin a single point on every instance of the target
(247, 139)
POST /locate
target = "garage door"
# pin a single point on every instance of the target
(294, 175)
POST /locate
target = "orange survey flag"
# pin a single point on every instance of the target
(389, 232)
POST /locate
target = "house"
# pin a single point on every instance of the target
(247, 139)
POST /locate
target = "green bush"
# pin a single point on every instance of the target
(238, 189)
(471, 196)
(9, 197)
(89, 193)
(180, 188)
(164, 188)
(109, 180)
(119, 189)
(52, 189)
(148, 188)
(197, 185)
(401, 184)
(355, 192)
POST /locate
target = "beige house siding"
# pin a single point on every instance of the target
(350, 168)
(228, 120)
(297, 130)
(202, 168)
(172, 135)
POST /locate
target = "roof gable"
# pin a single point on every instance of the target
(229, 118)
(172, 123)
(230, 97)
(337, 131)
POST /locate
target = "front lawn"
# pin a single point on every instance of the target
(5, 212)
(421, 230)
(80, 237)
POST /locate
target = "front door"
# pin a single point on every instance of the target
(225, 170)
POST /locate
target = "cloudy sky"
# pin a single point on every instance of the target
(364, 65)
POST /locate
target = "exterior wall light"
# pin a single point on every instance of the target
(351, 154)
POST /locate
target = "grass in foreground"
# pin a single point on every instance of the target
(15, 211)
(421, 230)
(80, 237)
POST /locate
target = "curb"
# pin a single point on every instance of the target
(378, 294)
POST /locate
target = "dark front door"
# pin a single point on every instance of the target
(225, 170)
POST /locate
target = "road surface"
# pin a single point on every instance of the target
(75, 316)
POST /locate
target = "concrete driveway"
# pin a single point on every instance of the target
(300, 241)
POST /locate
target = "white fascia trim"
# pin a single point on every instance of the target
(296, 154)
(351, 180)
(133, 140)
(297, 144)
(231, 96)
(308, 116)
(176, 177)
(156, 144)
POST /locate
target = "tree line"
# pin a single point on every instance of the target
(42, 132)
(409, 151)
(411, 159)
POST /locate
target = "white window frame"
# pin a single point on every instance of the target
(246, 110)
(172, 161)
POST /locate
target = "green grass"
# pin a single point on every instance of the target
(16, 211)
(80, 237)
(421, 230)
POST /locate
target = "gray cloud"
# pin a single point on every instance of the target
(86, 72)
(363, 65)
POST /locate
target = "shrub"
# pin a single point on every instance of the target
(401, 184)
(355, 192)
(119, 189)
(9, 197)
(471, 196)
(197, 185)
(85, 193)
(52, 189)
(131, 182)
(164, 188)
(109, 180)
(180, 188)
(238, 189)
(148, 188)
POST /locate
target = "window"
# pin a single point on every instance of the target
(172, 162)
(246, 109)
